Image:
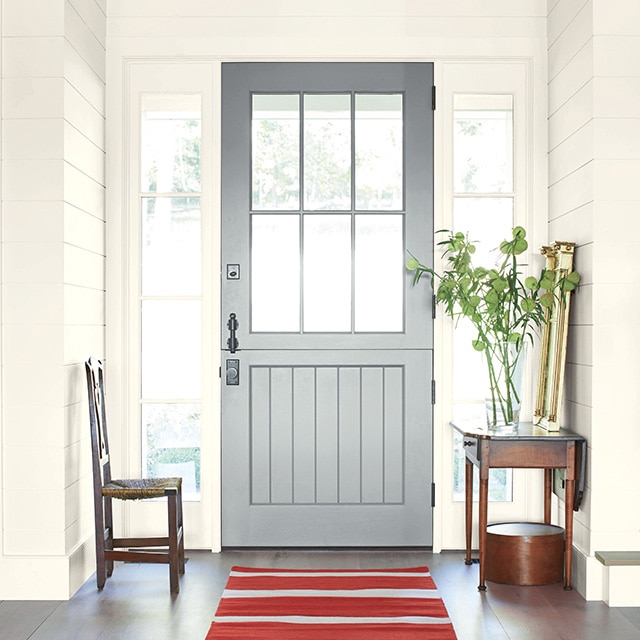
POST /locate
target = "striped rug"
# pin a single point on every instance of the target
(330, 604)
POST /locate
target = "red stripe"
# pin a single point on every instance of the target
(332, 606)
(283, 631)
(276, 583)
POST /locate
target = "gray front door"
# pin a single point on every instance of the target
(327, 349)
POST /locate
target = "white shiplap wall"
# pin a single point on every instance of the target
(594, 161)
(53, 125)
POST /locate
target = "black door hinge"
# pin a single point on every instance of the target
(433, 494)
(433, 98)
(433, 392)
(433, 306)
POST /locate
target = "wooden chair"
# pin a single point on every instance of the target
(109, 548)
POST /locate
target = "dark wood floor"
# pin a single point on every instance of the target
(136, 605)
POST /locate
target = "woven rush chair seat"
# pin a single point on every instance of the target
(167, 549)
(140, 488)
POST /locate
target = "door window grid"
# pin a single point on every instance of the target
(171, 287)
(317, 272)
(483, 206)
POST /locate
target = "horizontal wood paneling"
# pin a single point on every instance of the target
(32, 221)
(337, 8)
(322, 27)
(33, 56)
(576, 35)
(89, 45)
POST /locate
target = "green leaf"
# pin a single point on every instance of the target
(519, 233)
(546, 283)
(528, 305)
(520, 246)
(546, 299)
(491, 298)
(499, 285)
(515, 337)
(478, 345)
(531, 283)
(474, 301)
(568, 286)
(412, 264)
(573, 277)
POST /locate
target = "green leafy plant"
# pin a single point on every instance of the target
(505, 308)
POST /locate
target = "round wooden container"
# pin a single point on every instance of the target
(524, 553)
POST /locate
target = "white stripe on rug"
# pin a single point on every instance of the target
(324, 574)
(331, 593)
(334, 620)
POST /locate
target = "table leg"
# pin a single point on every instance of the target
(569, 488)
(468, 507)
(482, 542)
(548, 483)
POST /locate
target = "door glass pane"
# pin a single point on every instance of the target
(275, 170)
(171, 443)
(379, 273)
(171, 137)
(379, 152)
(171, 349)
(327, 152)
(327, 272)
(483, 144)
(275, 273)
(171, 263)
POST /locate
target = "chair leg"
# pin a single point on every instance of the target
(174, 584)
(181, 532)
(108, 524)
(101, 571)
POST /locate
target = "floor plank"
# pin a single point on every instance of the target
(136, 604)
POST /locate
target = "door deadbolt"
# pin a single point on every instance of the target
(233, 372)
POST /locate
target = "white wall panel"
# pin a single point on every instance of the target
(24, 302)
(82, 191)
(83, 115)
(561, 14)
(32, 138)
(32, 56)
(617, 17)
(84, 40)
(616, 97)
(93, 15)
(32, 262)
(83, 305)
(32, 97)
(572, 115)
(616, 56)
(576, 35)
(32, 18)
(83, 229)
(83, 79)
(83, 154)
(33, 425)
(575, 151)
(83, 268)
(571, 78)
(571, 192)
(21, 380)
(35, 179)
(337, 8)
(27, 344)
(325, 27)
(31, 221)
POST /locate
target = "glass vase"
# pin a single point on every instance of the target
(505, 367)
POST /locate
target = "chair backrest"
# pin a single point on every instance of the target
(98, 422)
